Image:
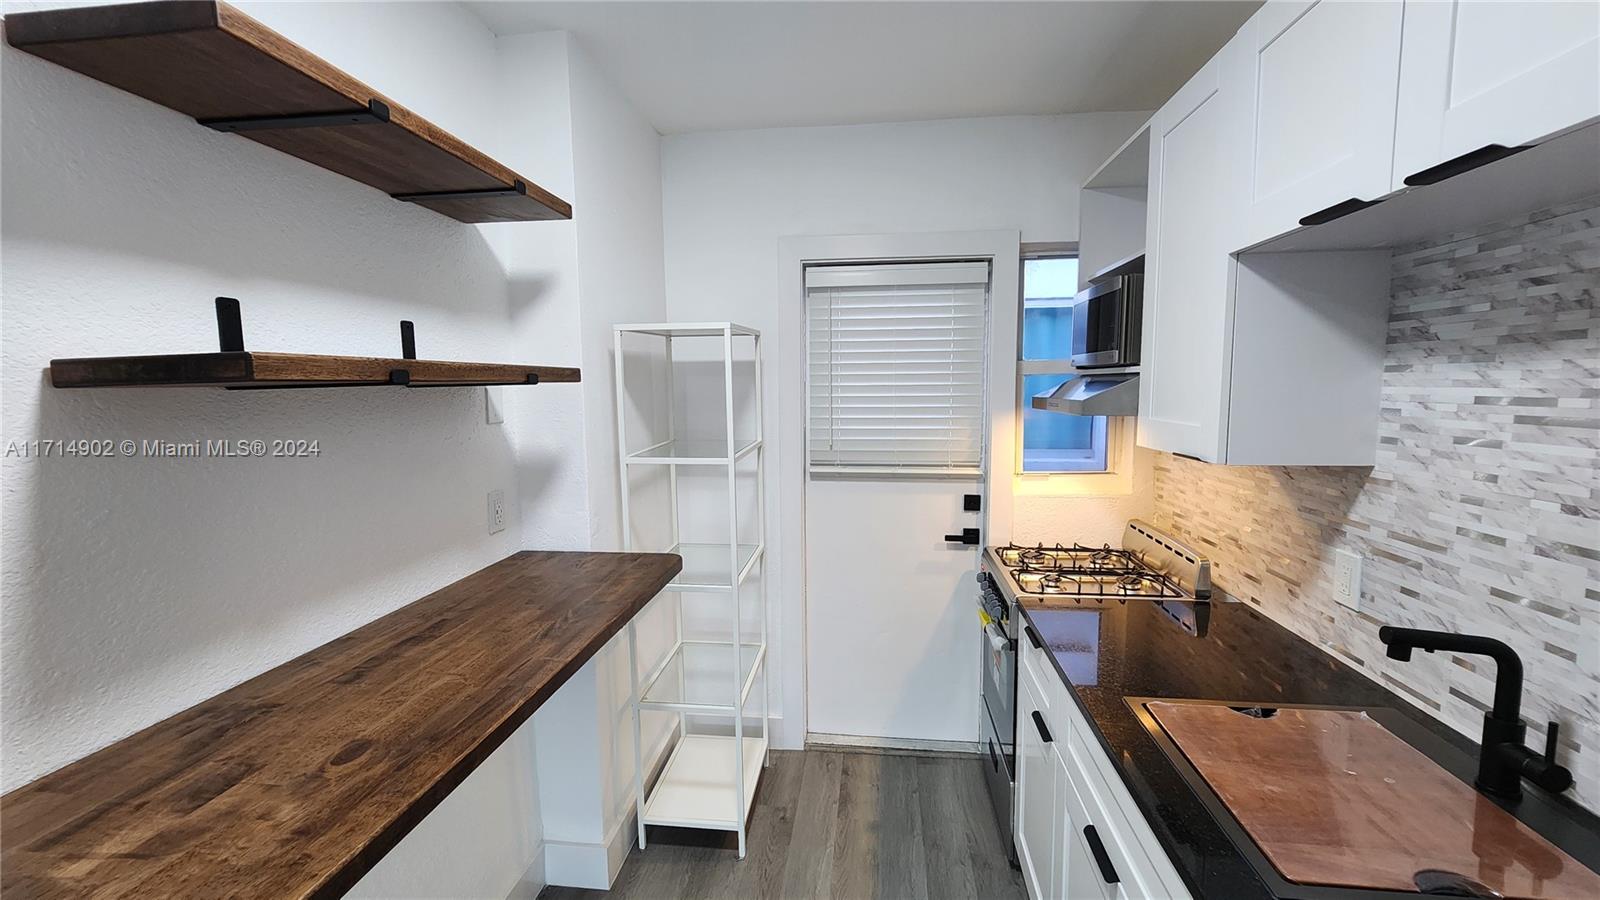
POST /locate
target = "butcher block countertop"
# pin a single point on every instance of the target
(296, 782)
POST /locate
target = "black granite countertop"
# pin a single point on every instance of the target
(1137, 649)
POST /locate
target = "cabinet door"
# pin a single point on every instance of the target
(1194, 146)
(1485, 72)
(1077, 871)
(1038, 804)
(1326, 75)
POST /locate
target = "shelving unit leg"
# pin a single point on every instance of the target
(638, 742)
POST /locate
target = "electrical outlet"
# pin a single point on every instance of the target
(497, 512)
(1347, 579)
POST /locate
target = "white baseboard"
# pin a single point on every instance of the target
(532, 880)
(592, 866)
(595, 865)
(877, 743)
(576, 865)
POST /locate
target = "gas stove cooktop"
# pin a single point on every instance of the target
(1148, 566)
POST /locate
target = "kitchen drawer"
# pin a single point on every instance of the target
(1140, 861)
(1039, 673)
(1081, 874)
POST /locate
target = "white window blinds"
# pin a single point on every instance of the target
(896, 367)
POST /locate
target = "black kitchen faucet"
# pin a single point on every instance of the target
(1503, 760)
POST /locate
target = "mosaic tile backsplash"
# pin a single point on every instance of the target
(1482, 514)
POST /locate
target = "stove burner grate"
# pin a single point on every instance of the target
(1079, 571)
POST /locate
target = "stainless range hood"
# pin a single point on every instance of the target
(1094, 394)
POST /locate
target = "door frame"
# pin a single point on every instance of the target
(1003, 250)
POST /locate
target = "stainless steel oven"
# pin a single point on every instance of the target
(1106, 322)
(997, 730)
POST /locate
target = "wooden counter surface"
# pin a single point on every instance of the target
(296, 782)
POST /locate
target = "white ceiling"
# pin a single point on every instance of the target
(702, 66)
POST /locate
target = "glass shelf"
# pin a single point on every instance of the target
(689, 329)
(692, 453)
(705, 566)
(697, 677)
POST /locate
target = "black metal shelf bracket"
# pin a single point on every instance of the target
(516, 189)
(376, 113)
(408, 339)
(230, 327)
(533, 378)
(230, 336)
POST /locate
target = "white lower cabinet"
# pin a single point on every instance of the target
(1038, 799)
(1081, 875)
(1079, 836)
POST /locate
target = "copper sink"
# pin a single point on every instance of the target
(1333, 801)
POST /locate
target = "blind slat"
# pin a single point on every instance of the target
(896, 360)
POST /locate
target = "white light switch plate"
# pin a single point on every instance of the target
(1347, 579)
(493, 408)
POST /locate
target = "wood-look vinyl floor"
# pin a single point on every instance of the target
(836, 824)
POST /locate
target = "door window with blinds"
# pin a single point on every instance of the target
(896, 367)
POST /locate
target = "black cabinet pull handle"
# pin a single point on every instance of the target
(994, 760)
(1044, 733)
(1108, 872)
(1466, 162)
(1338, 211)
(1033, 637)
(967, 536)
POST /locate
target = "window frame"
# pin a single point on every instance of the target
(1107, 430)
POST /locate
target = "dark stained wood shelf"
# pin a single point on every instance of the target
(296, 782)
(251, 370)
(208, 60)
(234, 368)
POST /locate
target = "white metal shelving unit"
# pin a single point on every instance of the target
(709, 780)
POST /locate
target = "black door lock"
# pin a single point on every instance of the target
(967, 536)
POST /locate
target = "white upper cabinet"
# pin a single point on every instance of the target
(1247, 359)
(1196, 141)
(1478, 73)
(1325, 77)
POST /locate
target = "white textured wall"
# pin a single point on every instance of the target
(729, 196)
(134, 588)
(610, 255)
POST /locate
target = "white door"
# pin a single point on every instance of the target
(896, 403)
(1183, 378)
(1326, 74)
(1478, 73)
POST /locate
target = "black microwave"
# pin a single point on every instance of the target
(1106, 320)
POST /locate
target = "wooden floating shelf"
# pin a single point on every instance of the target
(235, 368)
(208, 60)
(250, 370)
(296, 782)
